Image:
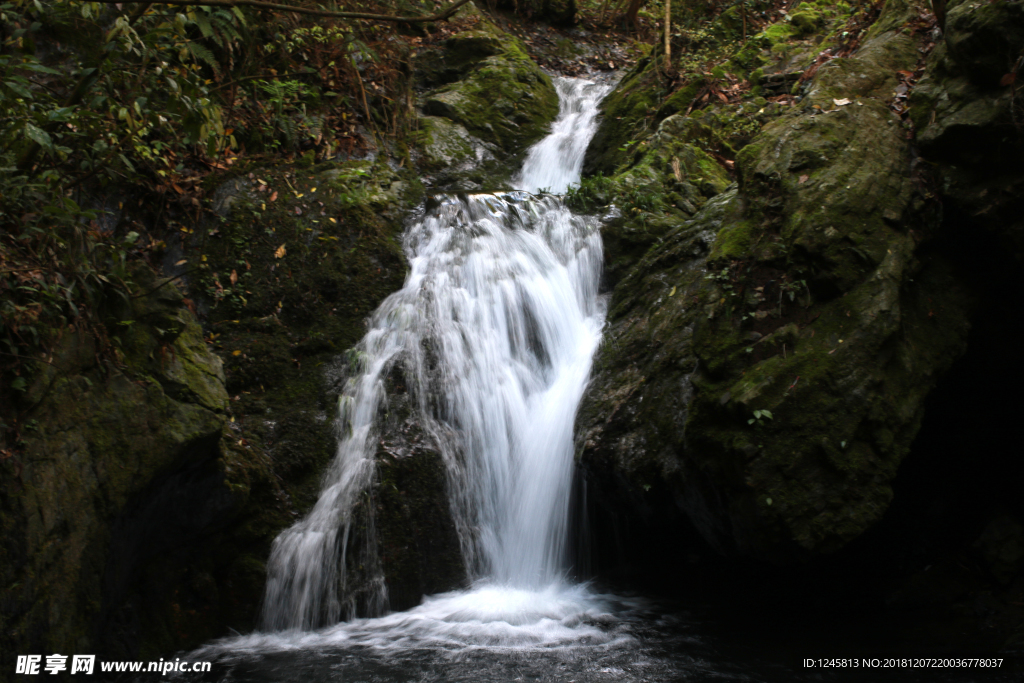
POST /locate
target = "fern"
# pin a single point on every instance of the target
(202, 54)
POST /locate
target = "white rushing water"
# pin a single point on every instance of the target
(554, 163)
(494, 332)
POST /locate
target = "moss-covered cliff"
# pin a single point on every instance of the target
(768, 360)
(103, 434)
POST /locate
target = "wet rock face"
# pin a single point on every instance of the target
(102, 437)
(487, 97)
(767, 363)
(501, 95)
(402, 543)
(969, 117)
(419, 542)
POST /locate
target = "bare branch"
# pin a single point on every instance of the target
(277, 7)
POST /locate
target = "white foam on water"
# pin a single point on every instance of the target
(486, 617)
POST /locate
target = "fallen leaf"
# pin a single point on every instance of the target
(841, 103)
(1008, 79)
(803, 179)
(298, 211)
(273, 197)
(234, 277)
(181, 262)
(236, 352)
(281, 251)
(332, 220)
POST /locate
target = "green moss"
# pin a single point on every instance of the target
(681, 99)
(105, 437)
(799, 293)
(779, 33)
(735, 241)
(806, 21)
(501, 96)
(626, 110)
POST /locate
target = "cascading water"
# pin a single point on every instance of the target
(493, 333)
(502, 305)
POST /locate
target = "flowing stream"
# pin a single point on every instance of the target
(494, 333)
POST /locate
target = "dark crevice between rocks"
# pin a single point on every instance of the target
(169, 520)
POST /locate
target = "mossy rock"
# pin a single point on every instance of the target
(78, 516)
(147, 500)
(985, 39)
(446, 144)
(801, 293)
(624, 112)
(500, 96)
(457, 161)
(669, 180)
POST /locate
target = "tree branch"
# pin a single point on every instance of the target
(277, 7)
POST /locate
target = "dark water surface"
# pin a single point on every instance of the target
(571, 633)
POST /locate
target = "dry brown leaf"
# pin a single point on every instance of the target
(234, 277)
(281, 251)
(273, 197)
(1008, 79)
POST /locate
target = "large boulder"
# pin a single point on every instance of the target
(766, 364)
(404, 542)
(80, 500)
(488, 85)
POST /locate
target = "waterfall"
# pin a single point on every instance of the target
(494, 332)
